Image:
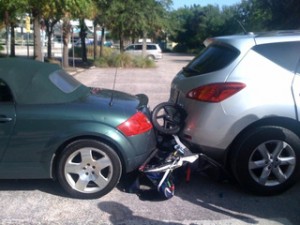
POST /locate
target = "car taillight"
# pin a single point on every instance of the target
(215, 92)
(137, 124)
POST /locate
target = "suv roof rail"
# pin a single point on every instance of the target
(278, 32)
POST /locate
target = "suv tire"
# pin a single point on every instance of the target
(266, 160)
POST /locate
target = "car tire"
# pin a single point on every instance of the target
(266, 161)
(151, 57)
(88, 169)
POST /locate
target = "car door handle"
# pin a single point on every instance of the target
(5, 119)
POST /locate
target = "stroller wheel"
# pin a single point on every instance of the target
(167, 118)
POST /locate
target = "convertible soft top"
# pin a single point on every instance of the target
(30, 82)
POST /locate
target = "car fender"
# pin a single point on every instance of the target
(102, 132)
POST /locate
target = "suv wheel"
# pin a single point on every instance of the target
(266, 160)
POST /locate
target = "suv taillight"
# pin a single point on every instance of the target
(216, 92)
(137, 124)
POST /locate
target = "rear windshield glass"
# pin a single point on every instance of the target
(64, 81)
(151, 47)
(212, 58)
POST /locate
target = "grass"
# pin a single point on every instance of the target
(113, 58)
(124, 60)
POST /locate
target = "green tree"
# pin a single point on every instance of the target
(83, 34)
(284, 14)
(212, 22)
(41, 11)
(10, 9)
(37, 8)
(232, 23)
(51, 16)
(73, 9)
(100, 18)
(190, 27)
(251, 16)
(135, 18)
(89, 12)
(261, 15)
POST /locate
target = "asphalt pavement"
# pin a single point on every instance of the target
(154, 82)
(202, 201)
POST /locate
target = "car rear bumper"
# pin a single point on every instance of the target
(144, 145)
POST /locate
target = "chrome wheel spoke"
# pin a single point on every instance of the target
(264, 175)
(264, 151)
(86, 155)
(101, 181)
(103, 163)
(257, 164)
(281, 177)
(287, 161)
(74, 168)
(278, 149)
(81, 184)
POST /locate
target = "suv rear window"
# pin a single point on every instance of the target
(213, 58)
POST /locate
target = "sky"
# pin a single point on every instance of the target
(181, 3)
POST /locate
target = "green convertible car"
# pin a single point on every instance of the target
(52, 126)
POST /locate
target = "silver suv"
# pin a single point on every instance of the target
(241, 96)
(153, 51)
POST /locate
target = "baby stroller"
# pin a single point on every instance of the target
(167, 119)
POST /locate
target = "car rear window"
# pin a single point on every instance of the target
(284, 54)
(63, 81)
(212, 58)
(151, 47)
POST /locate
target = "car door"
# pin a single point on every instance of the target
(7, 116)
(285, 55)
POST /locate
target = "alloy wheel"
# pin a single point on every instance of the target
(272, 163)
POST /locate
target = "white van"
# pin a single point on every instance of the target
(153, 50)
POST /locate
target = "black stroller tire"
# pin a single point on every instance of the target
(167, 118)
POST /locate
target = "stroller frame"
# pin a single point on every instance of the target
(160, 172)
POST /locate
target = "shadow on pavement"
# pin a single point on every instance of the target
(121, 214)
(226, 198)
(44, 185)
